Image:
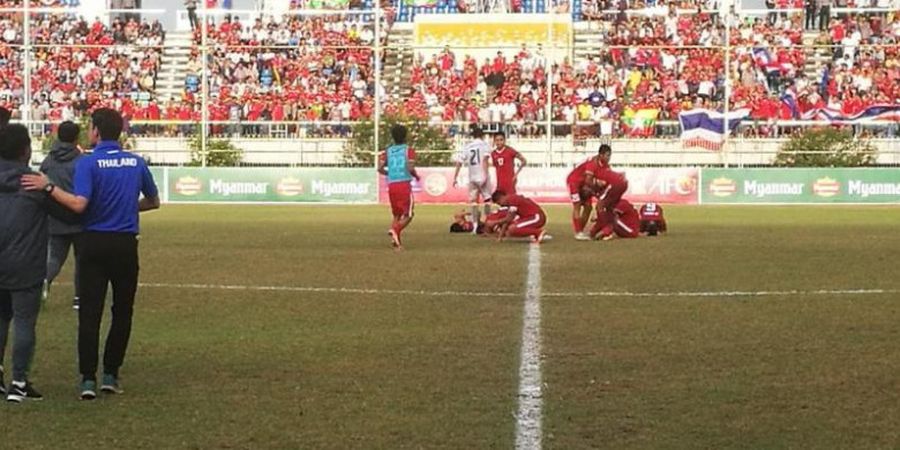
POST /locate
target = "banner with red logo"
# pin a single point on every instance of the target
(659, 185)
(813, 185)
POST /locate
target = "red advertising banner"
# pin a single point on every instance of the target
(660, 185)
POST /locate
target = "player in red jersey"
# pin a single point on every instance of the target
(524, 217)
(652, 220)
(398, 164)
(580, 194)
(503, 158)
(625, 223)
(609, 185)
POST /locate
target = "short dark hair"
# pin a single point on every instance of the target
(109, 123)
(15, 142)
(605, 148)
(477, 132)
(5, 116)
(398, 133)
(497, 195)
(68, 132)
(500, 134)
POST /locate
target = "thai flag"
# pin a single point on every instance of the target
(883, 112)
(789, 98)
(765, 60)
(706, 128)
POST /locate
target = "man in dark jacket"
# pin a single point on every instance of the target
(23, 257)
(59, 166)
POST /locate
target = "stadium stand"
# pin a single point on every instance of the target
(628, 63)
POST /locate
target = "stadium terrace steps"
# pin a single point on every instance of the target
(174, 67)
(816, 58)
(586, 42)
(398, 62)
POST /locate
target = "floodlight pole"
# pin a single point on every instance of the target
(725, 128)
(204, 90)
(548, 77)
(376, 115)
(26, 58)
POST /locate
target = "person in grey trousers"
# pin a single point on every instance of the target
(59, 166)
(23, 257)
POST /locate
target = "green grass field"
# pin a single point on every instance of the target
(423, 351)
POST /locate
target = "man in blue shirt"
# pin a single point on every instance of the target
(108, 187)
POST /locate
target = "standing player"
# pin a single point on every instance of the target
(609, 184)
(625, 223)
(581, 194)
(652, 220)
(398, 163)
(504, 160)
(475, 156)
(524, 217)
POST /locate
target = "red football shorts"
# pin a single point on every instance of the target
(401, 197)
(575, 194)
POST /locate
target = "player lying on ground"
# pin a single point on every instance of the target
(462, 222)
(475, 156)
(524, 218)
(398, 163)
(652, 220)
(625, 223)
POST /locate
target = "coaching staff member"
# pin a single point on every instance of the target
(108, 187)
(23, 258)
(59, 166)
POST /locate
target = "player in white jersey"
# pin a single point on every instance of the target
(475, 155)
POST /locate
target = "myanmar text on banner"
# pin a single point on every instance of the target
(266, 185)
(801, 186)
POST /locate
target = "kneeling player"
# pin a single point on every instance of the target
(524, 217)
(625, 223)
(652, 220)
(581, 195)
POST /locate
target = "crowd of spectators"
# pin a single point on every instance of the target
(668, 58)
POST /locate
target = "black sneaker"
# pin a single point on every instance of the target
(18, 394)
(2, 386)
(76, 303)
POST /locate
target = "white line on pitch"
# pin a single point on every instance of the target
(412, 292)
(528, 419)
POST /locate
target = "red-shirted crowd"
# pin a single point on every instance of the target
(319, 68)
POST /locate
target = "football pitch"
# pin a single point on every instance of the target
(299, 327)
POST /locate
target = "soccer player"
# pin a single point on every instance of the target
(504, 160)
(581, 195)
(609, 185)
(524, 217)
(652, 220)
(398, 163)
(625, 223)
(475, 156)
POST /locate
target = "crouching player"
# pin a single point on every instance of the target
(652, 220)
(581, 196)
(524, 218)
(610, 185)
(625, 223)
(398, 163)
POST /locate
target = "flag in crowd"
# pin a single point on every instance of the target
(639, 122)
(421, 3)
(872, 113)
(706, 128)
